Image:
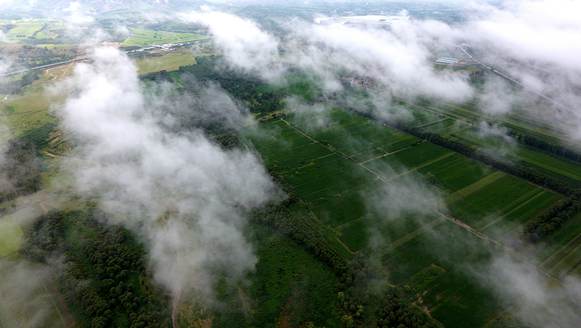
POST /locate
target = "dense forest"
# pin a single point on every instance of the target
(21, 169)
(105, 282)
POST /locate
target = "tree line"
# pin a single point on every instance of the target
(540, 227)
(545, 146)
(553, 219)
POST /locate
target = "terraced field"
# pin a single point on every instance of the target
(337, 168)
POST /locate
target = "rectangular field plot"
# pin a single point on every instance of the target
(455, 172)
(419, 156)
(553, 166)
(284, 274)
(520, 214)
(563, 167)
(427, 268)
(143, 37)
(493, 200)
(357, 137)
(283, 148)
(562, 252)
(24, 29)
(332, 185)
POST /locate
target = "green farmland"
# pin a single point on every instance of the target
(337, 167)
(141, 37)
(563, 252)
(32, 30)
(461, 124)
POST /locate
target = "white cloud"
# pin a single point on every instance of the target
(398, 58)
(26, 301)
(243, 42)
(537, 300)
(185, 195)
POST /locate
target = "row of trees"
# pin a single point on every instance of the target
(552, 219)
(292, 219)
(548, 147)
(521, 170)
(549, 221)
(394, 311)
(363, 302)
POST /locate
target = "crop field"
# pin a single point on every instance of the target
(333, 172)
(11, 237)
(517, 122)
(563, 252)
(288, 286)
(171, 61)
(426, 266)
(336, 168)
(141, 37)
(551, 165)
(556, 167)
(493, 199)
(548, 163)
(30, 109)
(21, 30)
(32, 30)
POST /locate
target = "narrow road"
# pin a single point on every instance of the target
(169, 47)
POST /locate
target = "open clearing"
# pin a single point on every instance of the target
(168, 62)
(11, 237)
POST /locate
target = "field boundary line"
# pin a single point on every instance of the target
(554, 269)
(470, 229)
(562, 248)
(304, 134)
(427, 125)
(413, 234)
(385, 155)
(568, 249)
(550, 168)
(519, 206)
(474, 187)
(421, 166)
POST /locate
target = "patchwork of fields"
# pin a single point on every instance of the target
(462, 124)
(339, 167)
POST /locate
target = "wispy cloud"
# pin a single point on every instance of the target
(187, 197)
